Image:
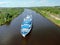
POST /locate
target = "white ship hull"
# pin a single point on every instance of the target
(26, 25)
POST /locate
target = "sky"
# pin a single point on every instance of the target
(28, 3)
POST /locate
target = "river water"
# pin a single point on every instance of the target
(44, 32)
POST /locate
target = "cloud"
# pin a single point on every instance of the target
(43, 1)
(3, 3)
(27, 3)
(31, 3)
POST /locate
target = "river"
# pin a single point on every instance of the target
(44, 32)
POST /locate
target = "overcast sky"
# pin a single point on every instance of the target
(28, 3)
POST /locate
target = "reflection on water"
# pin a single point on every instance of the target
(43, 33)
(26, 39)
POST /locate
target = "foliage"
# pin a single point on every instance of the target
(7, 14)
(46, 11)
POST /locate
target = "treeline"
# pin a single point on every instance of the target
(7, 14)
(47, 11)
(55, 10)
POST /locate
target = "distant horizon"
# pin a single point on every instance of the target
(29, 7)
(29, 3)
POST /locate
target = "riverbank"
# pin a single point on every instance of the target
(51, 13)
(8, 14)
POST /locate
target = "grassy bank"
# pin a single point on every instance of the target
(48, 11)
(7, 14)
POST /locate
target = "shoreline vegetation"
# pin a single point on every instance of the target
(51, 13)
(8, 14)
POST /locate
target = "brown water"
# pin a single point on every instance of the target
(44, 32)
